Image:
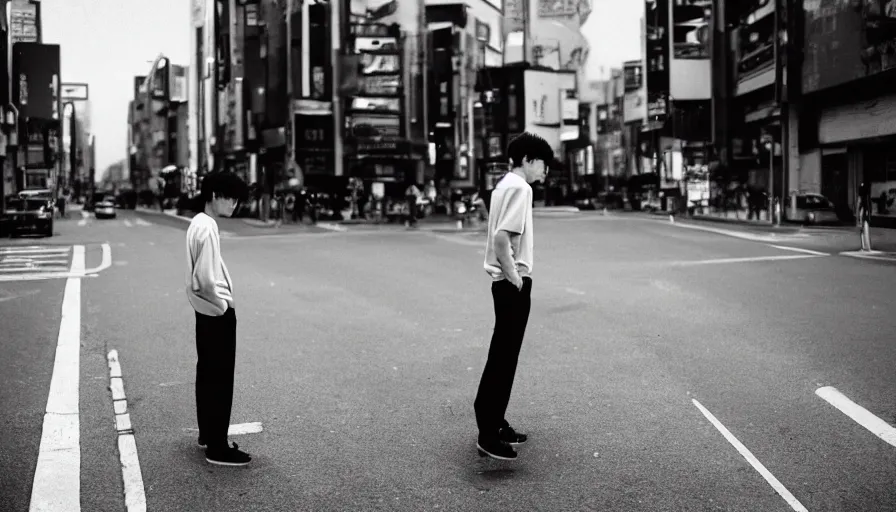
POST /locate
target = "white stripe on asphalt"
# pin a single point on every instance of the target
(798, 249)
(41, 276)
(770, 478)
(134, 492)
(57, 479)
(331, 226)
(128, 224)
(35, 250)
(32, 268)
(141, 222)
(859, 414)
(105, 263)
(743, 260)
(244, 428)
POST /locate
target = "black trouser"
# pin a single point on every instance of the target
(511, 316)
(216, 350)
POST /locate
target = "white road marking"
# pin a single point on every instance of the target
(105, 263)
(31, 268)
(128, 223)
(57, 479)
(574, 291)
(742, 260)
(859, 414)
(758, 466)
(134, 492)
(141, 222)
(870, 255)
(331, 226)
(84, 217)
(771, 237)
(35, 250)
(798, 249)
(245, 428)
(42, 276)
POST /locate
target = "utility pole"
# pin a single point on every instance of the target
(336, 14)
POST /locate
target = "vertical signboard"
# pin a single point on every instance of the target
(635, 100)
(23, 26)
(656, 23)
(690, 27)
(36, 80)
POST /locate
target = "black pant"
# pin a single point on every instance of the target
(511, 316)
(216, 350)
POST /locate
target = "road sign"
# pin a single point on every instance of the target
(73, 92)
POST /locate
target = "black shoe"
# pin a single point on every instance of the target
(201, 441)
(227, 456)
(496, 449)
(510, 436)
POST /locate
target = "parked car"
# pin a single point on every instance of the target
(105, 207)
(815, 209)
(30, 210)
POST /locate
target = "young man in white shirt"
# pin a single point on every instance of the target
(210, 292)
(509, 262)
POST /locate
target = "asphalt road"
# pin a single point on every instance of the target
(360, 353)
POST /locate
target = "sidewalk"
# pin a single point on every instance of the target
(883, 240)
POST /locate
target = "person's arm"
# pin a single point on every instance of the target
(510, 225)
(208, 258)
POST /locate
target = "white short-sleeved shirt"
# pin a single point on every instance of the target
(511, 210)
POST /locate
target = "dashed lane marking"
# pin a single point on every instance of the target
(134, 492)
(753, 259)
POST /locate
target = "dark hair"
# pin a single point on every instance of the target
(529, 146)
(223, 184)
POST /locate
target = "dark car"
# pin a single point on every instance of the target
(30, 211)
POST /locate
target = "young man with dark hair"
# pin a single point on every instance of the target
(509, 261)
(210, 292)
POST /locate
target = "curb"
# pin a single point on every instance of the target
(871, 255)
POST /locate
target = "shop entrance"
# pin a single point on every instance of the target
(835, 179)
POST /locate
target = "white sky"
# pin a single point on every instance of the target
(107, 42)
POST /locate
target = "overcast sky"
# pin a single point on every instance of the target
(107, 42)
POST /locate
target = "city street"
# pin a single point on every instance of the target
(664, 368)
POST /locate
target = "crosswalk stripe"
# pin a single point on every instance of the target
(45, 250)
(141, 222)
(53, 268)
(127, 223)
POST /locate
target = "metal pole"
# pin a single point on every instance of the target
(336, 52)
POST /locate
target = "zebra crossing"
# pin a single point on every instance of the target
(88, 222)
(34, 261)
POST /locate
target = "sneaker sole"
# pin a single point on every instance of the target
(483, 453)
(222, 463)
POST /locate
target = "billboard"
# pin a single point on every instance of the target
(656, 29)
(542, 102)
(690, 70)
(23, 26)
(691, 29)
(558, 8)
(36, 80)
(846, 41)
(177, 84)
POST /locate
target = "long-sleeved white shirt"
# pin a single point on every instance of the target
(208, 285)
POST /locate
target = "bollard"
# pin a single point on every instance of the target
(671, 218)
(460, 224)
(605, 211)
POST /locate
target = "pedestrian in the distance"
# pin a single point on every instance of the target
(210, 292)
(509, 261)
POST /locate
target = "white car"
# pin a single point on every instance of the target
(105, 209)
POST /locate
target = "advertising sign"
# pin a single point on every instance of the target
(656, 23)
(374, 63)
(691, 29)
(379, 85)
(845, 41)
(23, 22)
(634, 78)
(37, 69)
(382, 105)
(376, 44)
(371, 125)
(177, 83)
(139, 82)
(558, 8)
(73, 92)
(314, 133)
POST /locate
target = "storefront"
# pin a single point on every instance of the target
(858, 144)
